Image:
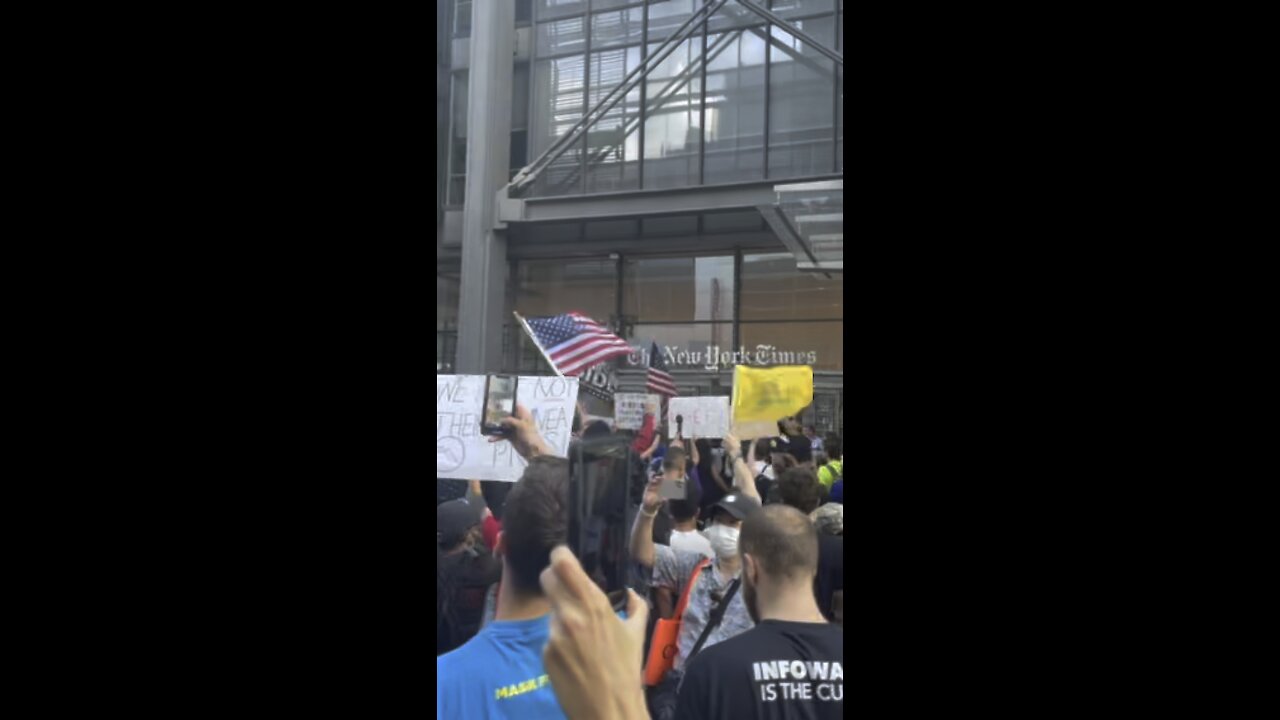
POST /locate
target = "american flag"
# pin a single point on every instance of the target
(574, 342)
(659, 380)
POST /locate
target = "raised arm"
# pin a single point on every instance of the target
(476, 496)
(523, 434)
(642, 531)
(742, 479)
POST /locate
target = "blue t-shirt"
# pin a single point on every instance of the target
(498, 674)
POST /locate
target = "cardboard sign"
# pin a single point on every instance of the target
(462, 453)
(629, 409)
(704, 417)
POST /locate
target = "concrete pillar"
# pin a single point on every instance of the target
(482, 305)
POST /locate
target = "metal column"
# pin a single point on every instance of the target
(484, 253)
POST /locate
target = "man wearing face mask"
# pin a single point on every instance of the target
(790, 666)
(715, 611)
(464, 571)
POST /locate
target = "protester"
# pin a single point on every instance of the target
(799, 488)
(464, 572)
(792, 441)
(500, 672)
(815, 442)
(791, 664)
(833, 470)
(685, 535)
(758, 458)
(715, 611)
(709, 464)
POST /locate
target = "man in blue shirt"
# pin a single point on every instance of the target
(499, 673)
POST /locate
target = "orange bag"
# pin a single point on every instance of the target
(662, 651)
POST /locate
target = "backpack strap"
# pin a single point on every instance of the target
(717, 614)
(684, 598)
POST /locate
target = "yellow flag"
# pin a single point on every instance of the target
(763, 396)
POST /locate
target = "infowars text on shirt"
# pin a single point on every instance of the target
(799, 680)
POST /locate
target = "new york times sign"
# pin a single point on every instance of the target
(601, 382)
(716, 358)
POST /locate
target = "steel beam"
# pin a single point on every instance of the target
(777, 20)
(641, 203)
(594, 115)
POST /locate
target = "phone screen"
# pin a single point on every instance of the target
(499, 402)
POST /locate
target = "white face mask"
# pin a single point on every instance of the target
(724, 540)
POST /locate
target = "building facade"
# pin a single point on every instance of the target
(671, 129)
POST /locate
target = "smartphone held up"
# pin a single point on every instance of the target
(499, 404)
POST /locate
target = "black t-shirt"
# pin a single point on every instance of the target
(830, 577)
(775, 671)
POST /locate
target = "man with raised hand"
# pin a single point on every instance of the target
(499, 673)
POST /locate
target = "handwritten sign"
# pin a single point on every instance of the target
(462, 453)
(629, 409)
(706, 417)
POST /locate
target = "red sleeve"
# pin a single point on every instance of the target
(491, 528)
(644, 438)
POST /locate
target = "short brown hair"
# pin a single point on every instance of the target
(799, 488)
(783, 541)
(536, 520)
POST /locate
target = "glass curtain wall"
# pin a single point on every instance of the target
(740, 99)
(692, 303)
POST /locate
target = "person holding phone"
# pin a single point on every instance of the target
(500, 671)
(715, 611)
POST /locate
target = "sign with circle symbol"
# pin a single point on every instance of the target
(450, 454)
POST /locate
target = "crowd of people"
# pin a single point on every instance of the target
(735, 606)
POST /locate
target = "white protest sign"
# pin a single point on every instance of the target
(462, 453)
(705, 417)
(629, 409)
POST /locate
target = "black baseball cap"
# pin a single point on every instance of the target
(454, 519)
(738, 505)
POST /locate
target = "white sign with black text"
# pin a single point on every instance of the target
(704, 417)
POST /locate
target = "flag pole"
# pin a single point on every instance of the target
(537, 344)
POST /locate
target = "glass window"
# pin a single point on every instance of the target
(666, 15)
(801, 8)
(623, 27)
(446, 323)
(840, 125)
(733, 15)
(673, 122)
(520, 97)
(462, 18)
(558, 96)
(678, 289)
(524, 11)
(552, 287)
(801, 103)
(735, 106)
(613, 142)
(605, 4)
(559, 8)
(561, 37)
(458, 140)
(820, 344)
(679, 342)
(519, 151)
(773, 289)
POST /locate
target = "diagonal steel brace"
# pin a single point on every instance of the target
(648, 65)
(777, 20)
